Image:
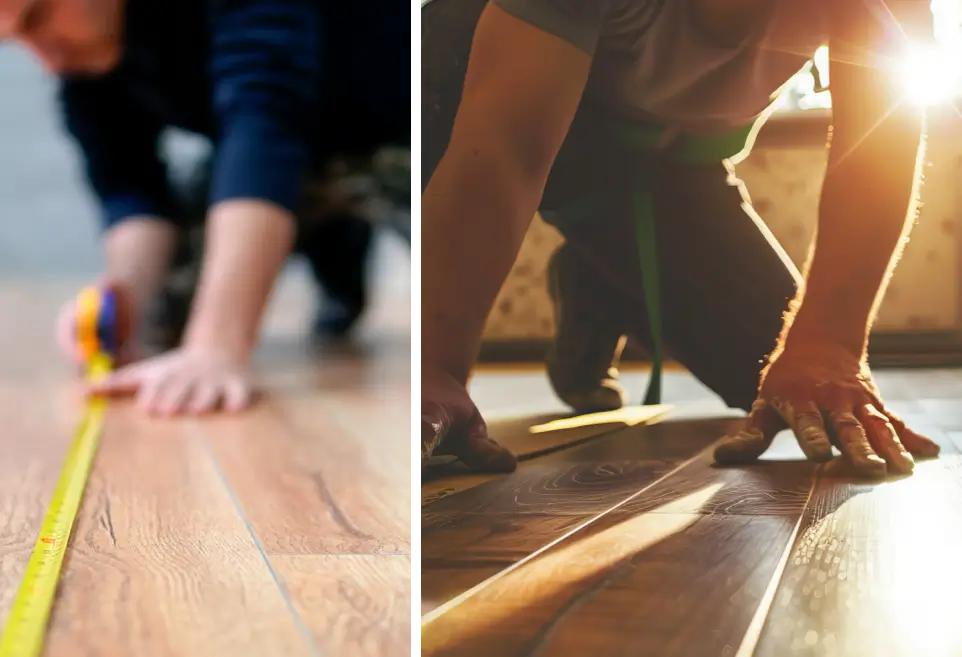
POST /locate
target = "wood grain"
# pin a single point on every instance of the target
(306, 485)
(627, 585)
(514, 516)
(161, 562)
(357, 606)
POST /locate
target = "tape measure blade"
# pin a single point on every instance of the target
(26, 626)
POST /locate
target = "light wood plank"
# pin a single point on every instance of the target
(161, 562)
(308, 486)
(356, 606)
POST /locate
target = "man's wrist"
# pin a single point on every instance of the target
(815, 325)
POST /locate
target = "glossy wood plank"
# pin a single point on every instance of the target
(466, 551)
(691, 593)
(627, 585)
(357, 606)
(162, 562)
(615, 463)
(779, 484)
(471, 536)
(869, 566)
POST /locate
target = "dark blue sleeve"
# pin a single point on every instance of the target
(118, 143)
(266, 83)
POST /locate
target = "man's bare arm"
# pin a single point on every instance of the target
(522, 89)
(869, 194)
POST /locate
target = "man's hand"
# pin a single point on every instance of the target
(825, 394)
(818, 382)
(189, 380)
(452, 425)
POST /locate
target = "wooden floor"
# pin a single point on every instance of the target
(634, 544)
(284, 531)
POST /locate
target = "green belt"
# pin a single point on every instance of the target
(683, 148)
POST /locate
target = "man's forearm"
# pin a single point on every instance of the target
(867, 207)
(247, 244)
(475, 212)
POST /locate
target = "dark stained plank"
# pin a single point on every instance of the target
(466, 551)
(766, 488)
(521, 516)
(586, 479)
(870, 568)
(649, 584)
(692, 593)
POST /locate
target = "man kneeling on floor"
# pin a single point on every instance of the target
(618, 120)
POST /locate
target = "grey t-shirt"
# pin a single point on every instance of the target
(652, 63)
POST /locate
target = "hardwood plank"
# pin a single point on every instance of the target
(588, 478)
(161, 562)
(354, 605)
(779, 484)
(307, 485)
(869, 565)
(692, 593)
(650, 584)
(466, 551)
(469, 537)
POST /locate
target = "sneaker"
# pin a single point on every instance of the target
(582, 363)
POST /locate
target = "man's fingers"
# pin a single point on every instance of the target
(853, 441)
(884, 439)
(122, 382)
(915, 443)
(747, 445)
(806, 423)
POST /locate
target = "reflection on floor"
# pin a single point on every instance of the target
(284, 531)
(633, 544)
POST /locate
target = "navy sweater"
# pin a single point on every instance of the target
(271, 82)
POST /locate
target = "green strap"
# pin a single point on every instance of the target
(684, 148)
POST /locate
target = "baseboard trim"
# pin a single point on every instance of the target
(887, 350)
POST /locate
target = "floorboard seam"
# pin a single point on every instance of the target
(754, 631)
(338, 554)
(442, 609)
(302, 627)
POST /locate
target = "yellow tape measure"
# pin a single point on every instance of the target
(26, 628)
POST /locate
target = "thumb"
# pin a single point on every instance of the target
(480, 452)
(744, 447)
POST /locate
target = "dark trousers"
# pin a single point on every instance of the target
(725, 282)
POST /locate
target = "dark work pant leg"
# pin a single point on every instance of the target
(725, 283)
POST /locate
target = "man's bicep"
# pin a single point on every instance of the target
(522, 88)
